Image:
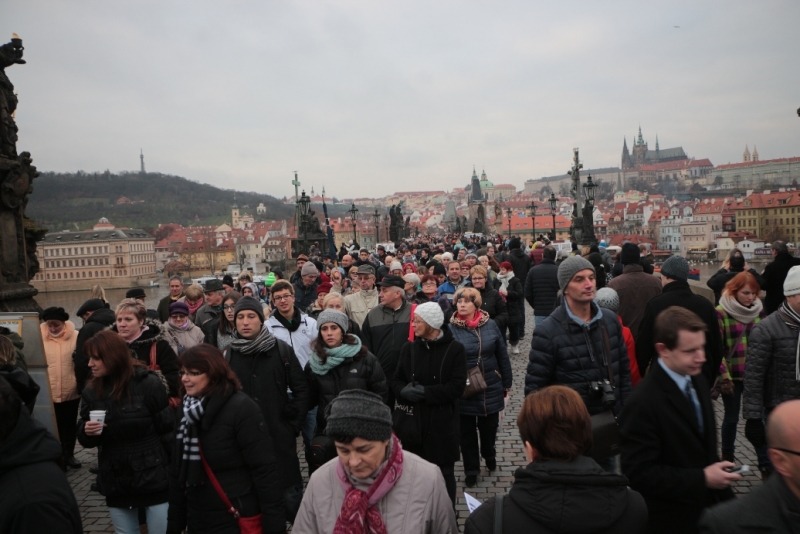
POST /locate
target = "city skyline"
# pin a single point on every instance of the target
(371, 99)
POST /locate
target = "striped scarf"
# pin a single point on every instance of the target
(188, 435)
(262, 343)
(792, 320)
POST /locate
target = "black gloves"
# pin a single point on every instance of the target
(413, 393)
(755, 432)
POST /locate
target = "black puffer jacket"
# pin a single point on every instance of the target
(360, 372)
(34, 493)
(550, 497)
(487, 341)
(237, 446)
(265, 378)
(566, 353)
(165, 356)
(769, 370)
(541, 287)
(493, 304)
(441, 366)
(99, 320)
(133, 459)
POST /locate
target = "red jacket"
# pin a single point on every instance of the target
(631, 344)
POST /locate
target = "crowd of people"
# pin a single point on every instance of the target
(385, 368)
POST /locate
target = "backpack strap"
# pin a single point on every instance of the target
(153, 363)
(498, 514)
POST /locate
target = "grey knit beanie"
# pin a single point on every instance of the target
(607, 298)
(333, 316)
(359, 414)
(676, 267)
(570, 267)
(249, 304)
(309, 268)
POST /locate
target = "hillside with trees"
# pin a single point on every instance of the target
(77, 200)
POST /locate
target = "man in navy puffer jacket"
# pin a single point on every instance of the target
(569, 347)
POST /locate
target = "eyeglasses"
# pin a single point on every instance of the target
(787, 451)
(282, 297)
(229, 307)
(190, 373)
(177, 316)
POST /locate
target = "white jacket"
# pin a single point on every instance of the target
(300, 340)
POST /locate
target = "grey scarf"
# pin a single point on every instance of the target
(262, 343)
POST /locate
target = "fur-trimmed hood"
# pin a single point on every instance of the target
(155, 332)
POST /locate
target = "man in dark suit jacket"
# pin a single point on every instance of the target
(669, 437)
(775, 506)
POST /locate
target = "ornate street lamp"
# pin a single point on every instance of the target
(353, 211)
(386, 225)
(377, 217)
(532, 214)
(552, 200)
(508, 214)
(305, 209)
(589, 188)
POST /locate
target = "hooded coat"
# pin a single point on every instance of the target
(165, 356)
(60, 368)
(28, 457)
(575, 497)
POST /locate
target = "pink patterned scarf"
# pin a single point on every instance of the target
(359, 515)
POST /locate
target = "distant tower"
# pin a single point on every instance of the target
(746, 155)
(141, 160)
(639, 150)
(312, 191)
(235, 220)
(755, 153)
(626, 156)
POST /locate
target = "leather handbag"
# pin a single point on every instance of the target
(476, 383)
(606, 438)
(247, 525)
(174, 402)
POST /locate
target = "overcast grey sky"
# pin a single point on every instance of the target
(369, 98)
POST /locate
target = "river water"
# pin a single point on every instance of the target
(72, 300)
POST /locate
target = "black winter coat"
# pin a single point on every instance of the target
(679, 294)
(134, 447)
(723, 276)
(493, 304)
(165, 356)
(305, 296)
(265, 376)
(520, 262)
(774, 275)
(541, 287)
(35, 496)
(384, 332)
(664, 454)
(360, 372)
(762, 510)
(554, 497)
(514, 303)
(561, 354)
(769, 370)
(441, 366)
(237, 446)
(99, 320)
(488, 341)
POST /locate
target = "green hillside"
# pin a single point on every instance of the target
(77, 200)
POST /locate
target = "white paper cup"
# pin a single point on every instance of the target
(99, 416)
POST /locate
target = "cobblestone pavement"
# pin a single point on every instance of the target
(510, 456)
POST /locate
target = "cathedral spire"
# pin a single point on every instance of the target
(755, 153)
(474, 172)
(656, 142)
(640, 141)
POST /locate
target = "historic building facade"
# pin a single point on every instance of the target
(105, 255)
(641, 154)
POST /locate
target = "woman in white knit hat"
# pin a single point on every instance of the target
(430, 378)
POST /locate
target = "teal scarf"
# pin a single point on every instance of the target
(335, 357)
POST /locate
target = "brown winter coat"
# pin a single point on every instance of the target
(60, 368)
(635, 288)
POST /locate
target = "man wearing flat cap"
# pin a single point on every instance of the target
(214, 292)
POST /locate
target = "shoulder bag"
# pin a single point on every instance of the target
(606, 438)
(174, 402)
(476, 383)
(247, 525)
